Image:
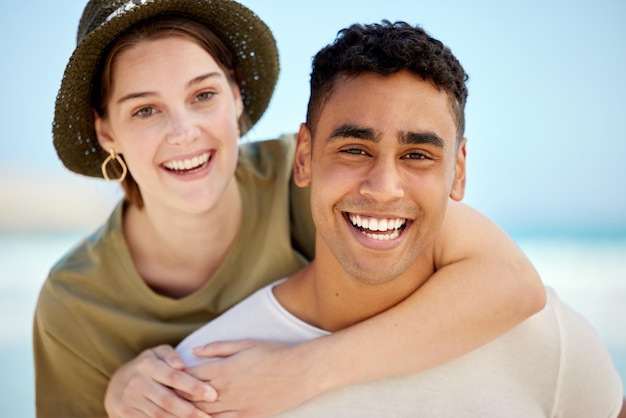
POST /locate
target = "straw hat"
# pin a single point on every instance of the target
(244, 33)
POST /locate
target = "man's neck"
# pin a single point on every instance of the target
(324, 295)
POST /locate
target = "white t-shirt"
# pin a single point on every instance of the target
(552, 365)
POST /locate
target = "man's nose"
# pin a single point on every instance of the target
(383, 181)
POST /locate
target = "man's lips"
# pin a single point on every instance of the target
(382, 229)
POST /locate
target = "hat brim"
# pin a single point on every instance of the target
(244, 33)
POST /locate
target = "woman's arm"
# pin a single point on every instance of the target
(484, 286)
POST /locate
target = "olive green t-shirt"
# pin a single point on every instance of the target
(95, 313)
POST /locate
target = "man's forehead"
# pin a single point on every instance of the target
(403, 103)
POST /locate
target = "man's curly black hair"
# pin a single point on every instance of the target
(387, 48)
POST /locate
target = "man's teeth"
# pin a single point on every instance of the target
(375, 224)
(382, 237)
(189, 163)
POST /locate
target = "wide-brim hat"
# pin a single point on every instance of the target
(103, 21)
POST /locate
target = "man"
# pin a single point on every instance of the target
(384, 153)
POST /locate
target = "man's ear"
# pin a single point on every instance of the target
(457, 192)
(302, 161)
(103, 132)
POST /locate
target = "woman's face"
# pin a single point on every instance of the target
(173, 114)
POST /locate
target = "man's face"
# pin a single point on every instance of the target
(381, 166)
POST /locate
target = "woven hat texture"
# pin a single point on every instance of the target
(103, 21)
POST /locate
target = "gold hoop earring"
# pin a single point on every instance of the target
(113, 156)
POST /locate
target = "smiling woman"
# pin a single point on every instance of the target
(147, 109)
(164, 122)
(194, 205)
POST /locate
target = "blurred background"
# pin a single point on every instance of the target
(545, 123)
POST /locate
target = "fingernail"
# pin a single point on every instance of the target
(176, 363)
(210, 394)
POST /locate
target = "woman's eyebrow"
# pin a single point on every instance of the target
(192, 82)
(201, 78)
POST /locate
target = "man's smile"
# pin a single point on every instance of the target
(382, 229)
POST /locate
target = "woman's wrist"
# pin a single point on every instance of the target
(321, 367)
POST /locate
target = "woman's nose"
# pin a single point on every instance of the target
(183, 128)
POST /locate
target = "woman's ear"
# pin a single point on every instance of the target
(103, 132)
(238, 100)
(457, 191)
(302, 161)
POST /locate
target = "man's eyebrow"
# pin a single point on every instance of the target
(352, 131)
(368, 134)
(418, 138)
(191, 83)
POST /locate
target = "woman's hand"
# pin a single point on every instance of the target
(254, 378)
(155, 384)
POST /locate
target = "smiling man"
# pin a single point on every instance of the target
(384, 154)
(382, 161)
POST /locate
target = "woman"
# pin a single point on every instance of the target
(156, 96)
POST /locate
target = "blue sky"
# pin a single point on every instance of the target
(545, 117)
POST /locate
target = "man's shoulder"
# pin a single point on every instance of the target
(547, 327)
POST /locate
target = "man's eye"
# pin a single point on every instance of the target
(354, 151)
(416, 156)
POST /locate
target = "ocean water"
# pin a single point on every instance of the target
(588, 272)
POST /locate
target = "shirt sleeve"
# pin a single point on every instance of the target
(589, 385)
(68, 380)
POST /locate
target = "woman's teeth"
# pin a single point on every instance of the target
(189, 163)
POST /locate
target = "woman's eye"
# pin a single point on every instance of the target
(145, 111)
(205, 95)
